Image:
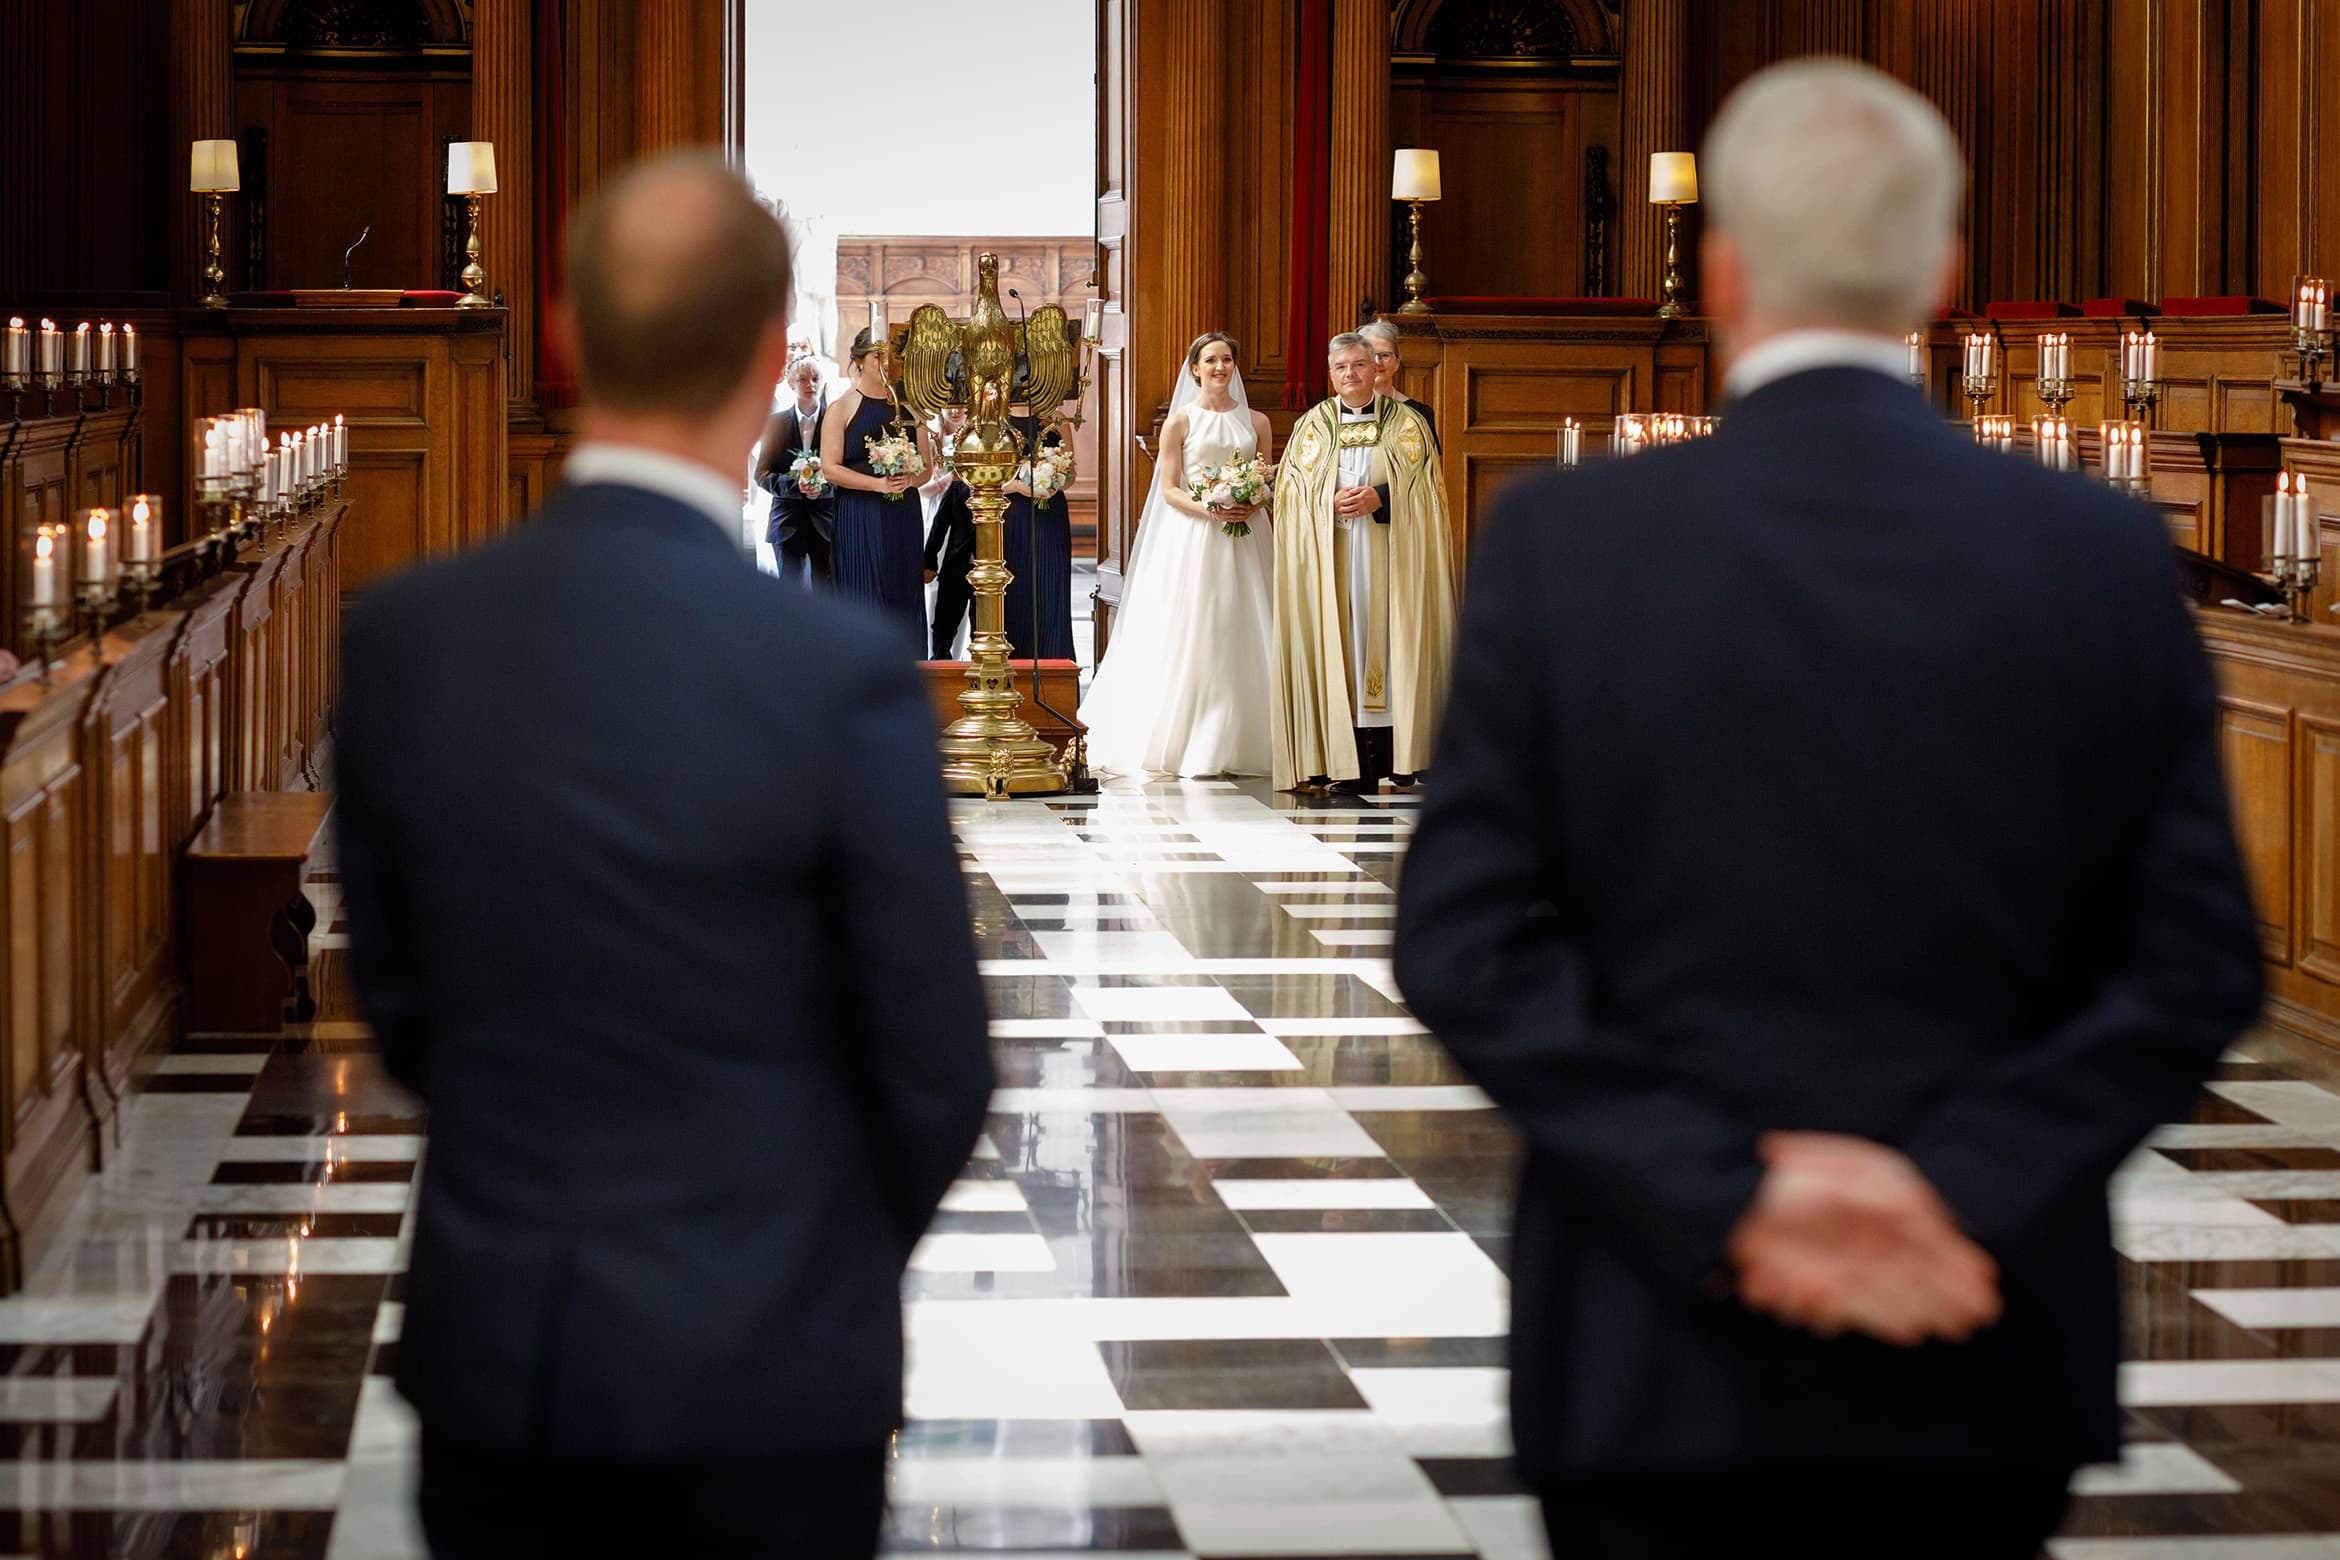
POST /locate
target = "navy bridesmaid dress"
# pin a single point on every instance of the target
(880, 542)
(1038, 547)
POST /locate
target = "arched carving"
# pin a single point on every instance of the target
(370, 26)
(1503, 29)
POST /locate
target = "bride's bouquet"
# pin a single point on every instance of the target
(1052, 472)
(895, 454)
(804, 469)
(1239, 484)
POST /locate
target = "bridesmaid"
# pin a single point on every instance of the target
(878, 548)
(1038, 548)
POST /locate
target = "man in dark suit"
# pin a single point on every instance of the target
(950, 550)
(699, 1068)
(1831, 924)
(804, 519)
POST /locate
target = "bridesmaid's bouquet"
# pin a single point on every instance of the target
(804, 469)
(1239, 484)
(895, 455)
(1052, 472)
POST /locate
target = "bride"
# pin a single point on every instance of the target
(1183, 687)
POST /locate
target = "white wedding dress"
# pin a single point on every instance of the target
(1183, 687)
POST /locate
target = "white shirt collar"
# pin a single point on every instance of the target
(1800, 351)
(1367, 410)
(669, 476)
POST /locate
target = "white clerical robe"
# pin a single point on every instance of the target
(1356, 468)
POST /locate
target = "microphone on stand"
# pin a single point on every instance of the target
(351, 250)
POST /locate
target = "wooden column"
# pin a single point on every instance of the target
(1824, 27)
(677, 67)
(203, 82)
(1655, 112)
(503, 44)
(1938, 50)
(1360, 160)
(1191, 194)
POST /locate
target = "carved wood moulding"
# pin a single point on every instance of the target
(1504, 32)
(364, 27)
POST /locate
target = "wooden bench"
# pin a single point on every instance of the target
(247, 921)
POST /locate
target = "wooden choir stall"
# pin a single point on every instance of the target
(165, 774)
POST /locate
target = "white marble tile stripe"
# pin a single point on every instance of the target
(2179, 1383)
(2271, 1310)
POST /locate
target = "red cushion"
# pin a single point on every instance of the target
(2198, 307)
(1477, 304)
(2028, 311)
(428, 298)
(2116, 308)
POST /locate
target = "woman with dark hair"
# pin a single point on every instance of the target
(1183, 686)
(878, 550)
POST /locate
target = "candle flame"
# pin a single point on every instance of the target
(139, 512)
(48, 324)
(97, 525)
(44, 544)
(16, 322)
(105, 327)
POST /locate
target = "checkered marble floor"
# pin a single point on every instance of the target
(1224, 1278)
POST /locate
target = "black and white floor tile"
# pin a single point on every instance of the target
(1224, 1278)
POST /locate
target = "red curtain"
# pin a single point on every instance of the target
(1311, 206)
(556, 385)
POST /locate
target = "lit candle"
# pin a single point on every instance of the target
(94, 570)
(267, 478)
(1571, 446)
(52, 348)
(2308, 546)
(2047, 357)
(214, 449)
(1917, 354)
(2152, 359)
(130, 351)
(141, 531)
(877, 321)
(1093, 320)
(341, 441)
(105, 350)
(81, 348)
(44, 569)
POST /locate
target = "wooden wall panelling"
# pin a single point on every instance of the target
(2280, 688)
(128, 732)
(424, 393)
(1512, 162)
(350, 150)
(45, 1129)
(1502, 385)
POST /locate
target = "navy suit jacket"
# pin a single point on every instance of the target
(1834, 774)
(699, 1067)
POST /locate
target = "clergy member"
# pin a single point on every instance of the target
(1365, 587)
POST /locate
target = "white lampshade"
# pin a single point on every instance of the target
(471, 168)
(1673, 178)
(1416, 175)
(213, 167)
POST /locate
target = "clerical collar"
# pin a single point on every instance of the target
(1358, 411)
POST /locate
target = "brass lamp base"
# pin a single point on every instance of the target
(1416, 280)
(474, 274)
(1670, 285)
